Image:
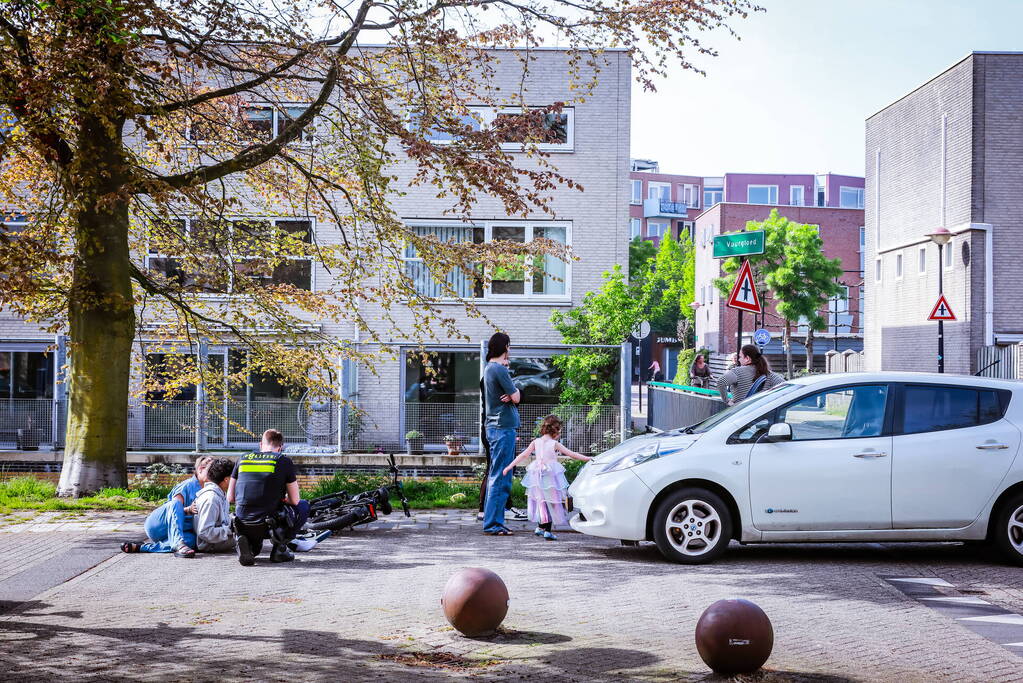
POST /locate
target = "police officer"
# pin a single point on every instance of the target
(264, 489)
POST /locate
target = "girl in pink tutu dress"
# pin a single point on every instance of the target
(545, 482)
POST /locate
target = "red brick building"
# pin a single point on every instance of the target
(841, 230)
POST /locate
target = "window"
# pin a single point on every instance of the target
(946, 255)
(655, 229)
(523, 278)
(549, 130)
(898, 266)
(26, 374)
(660, 191)
(637, 192)
(712, 196)
(796, 195)
(840, 302)
(930, 408)
(863, 246)
(877, 270)
(762, 194)
(689, 195)
(921, 261)
(467, 122)
(850, 197)
(843, 413)
(230, 245)
(258, 122)
(635, 228)
(687, 227)
(820, 183)
(228, 375)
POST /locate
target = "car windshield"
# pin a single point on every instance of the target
(750, 404)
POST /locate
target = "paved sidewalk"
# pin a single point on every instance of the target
(365, 606)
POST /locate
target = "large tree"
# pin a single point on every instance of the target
(131, 127)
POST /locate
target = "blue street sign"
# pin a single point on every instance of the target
(761, 337)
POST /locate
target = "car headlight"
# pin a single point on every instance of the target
(626, 460)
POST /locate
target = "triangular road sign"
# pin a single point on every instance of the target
(744, 293)
(941, 310)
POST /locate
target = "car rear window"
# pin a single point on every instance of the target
(932, 408)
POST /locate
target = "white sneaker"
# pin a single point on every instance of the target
(538, 531)
(549, 536)
(303, 545)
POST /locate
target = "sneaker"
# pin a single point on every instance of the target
(479, 516)
(517, 514)
(549, 536)
(302, 545)
(280, 553)
(538, 531)
(245, 556)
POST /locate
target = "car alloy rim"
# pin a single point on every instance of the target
(1016, 530)
(693, 527)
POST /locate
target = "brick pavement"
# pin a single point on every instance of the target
(582, 609)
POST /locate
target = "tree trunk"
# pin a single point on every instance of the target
(809, 349)
(101, 318)
(787, 343)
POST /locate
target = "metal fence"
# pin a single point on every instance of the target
(1001, 361)
(673, 405)
(28, 424)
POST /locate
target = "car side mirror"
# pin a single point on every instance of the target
(779, 431)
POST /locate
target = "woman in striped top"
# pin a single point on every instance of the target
(752, 366)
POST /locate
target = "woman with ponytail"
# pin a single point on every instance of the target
(753, 374)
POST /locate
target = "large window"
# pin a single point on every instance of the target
(256, 122)
(850, 197)
(762, 194)
(635, 228)
(548, 130)
(712, 196)
(837, 414)
(454, 377)
(796, 196)
(26, 374)
(545, 276)
(637, 191)
(234, 245)
(228, 375)
(660, 191)
(657, 229)
(689, 195)
(936, 408)
(469, 122)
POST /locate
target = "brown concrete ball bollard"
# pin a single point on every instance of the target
(475, 601)
(734, 637)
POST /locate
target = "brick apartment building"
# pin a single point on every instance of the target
(397, 393)
(946, 155)
(707, 206)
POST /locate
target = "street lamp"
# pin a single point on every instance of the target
(941, 237)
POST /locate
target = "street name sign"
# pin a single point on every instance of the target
(743, 243)
(941, 310)
(744, 293)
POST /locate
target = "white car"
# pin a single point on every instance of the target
(855, 457)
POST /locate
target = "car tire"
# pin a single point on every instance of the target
(692, 526)
(1009, 529)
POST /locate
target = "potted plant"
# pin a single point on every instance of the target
(453, 443)
(413, 441)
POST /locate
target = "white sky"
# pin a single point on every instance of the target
(792, 95)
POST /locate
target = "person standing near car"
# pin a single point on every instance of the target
(485, 450)
(501, 419)
(752, 375)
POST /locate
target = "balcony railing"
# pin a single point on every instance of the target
(662, 208)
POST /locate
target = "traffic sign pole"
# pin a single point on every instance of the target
(738, 338)
(941, 323)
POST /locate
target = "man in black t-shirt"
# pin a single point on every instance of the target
(264, 489)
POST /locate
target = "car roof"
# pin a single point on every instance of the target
(929, 377)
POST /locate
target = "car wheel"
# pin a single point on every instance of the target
(692, 526)
(1009, 529)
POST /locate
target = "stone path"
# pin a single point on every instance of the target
(364, 605)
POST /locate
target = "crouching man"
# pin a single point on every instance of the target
(213, 515)
(264, 489)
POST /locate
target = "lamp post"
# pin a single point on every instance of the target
(941, 236)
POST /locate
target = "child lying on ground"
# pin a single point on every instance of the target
(213, 517)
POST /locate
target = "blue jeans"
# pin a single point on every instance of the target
(502, 452)
(169, 528)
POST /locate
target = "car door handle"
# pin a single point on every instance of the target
(992, 447)
(871, 454)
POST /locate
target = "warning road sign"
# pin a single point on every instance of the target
(744, 293)
(941, 310)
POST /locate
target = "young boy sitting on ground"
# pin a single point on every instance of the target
(212, 517)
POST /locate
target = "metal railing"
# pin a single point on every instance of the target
(28, 423)
(674, 405)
